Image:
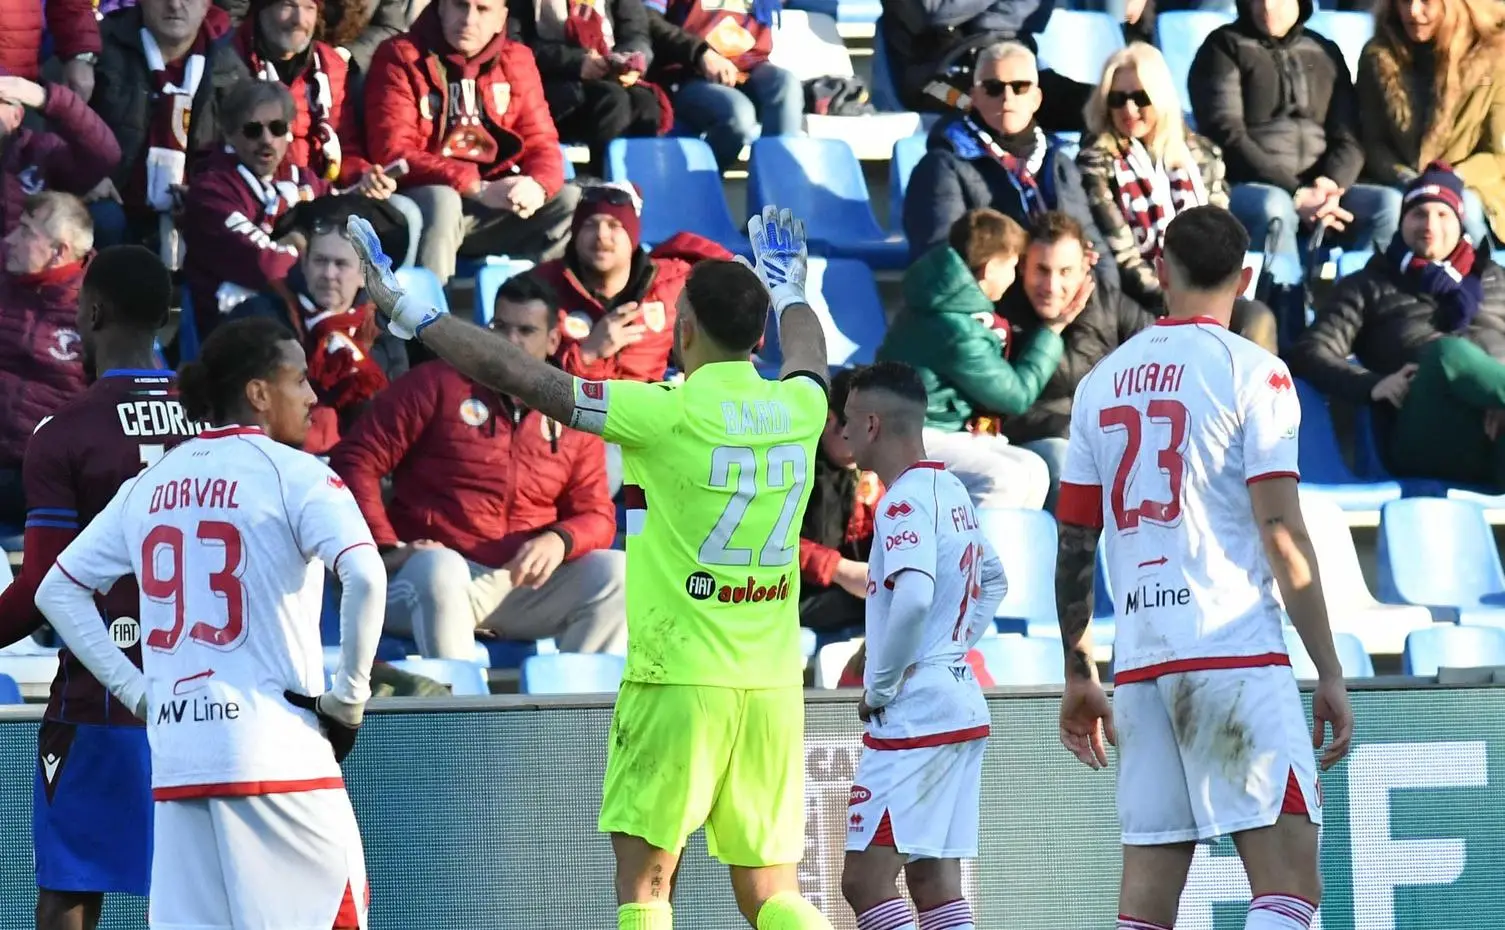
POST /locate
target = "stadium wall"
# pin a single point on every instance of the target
(480, 813)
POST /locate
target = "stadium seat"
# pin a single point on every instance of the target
(807, 43)
(1025, 541)
(842, 11)
(1179, 34)
(10, 692)
(907, 153)
(1322, 466)
(188, 328)
(1350, 30)
(1441, 554)
(1077, 43)
(1443, 645)
(1023, 660)
(831, 660)
(1352, 261)
(30, 669)
(463, 678)
(681, 188)
(489, 280)
(573, 673)
(822, 181)
(845, 297)
(1351, 656)
(885, 93)
(1351, 608)
(569, 166)
(423, 284)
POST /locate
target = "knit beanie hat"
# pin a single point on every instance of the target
(1438, 183)
(618, 200)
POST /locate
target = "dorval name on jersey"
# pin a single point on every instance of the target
(926, 522)
(228, 535)
(1167, 434)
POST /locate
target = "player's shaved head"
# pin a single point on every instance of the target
(891, 390)
(130, 286)
(1204, 249)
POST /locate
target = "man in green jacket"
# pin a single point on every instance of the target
(950, 332)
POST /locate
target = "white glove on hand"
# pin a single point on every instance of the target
(407, 316)
(780, 255)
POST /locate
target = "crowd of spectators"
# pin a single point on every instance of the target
(235, 138)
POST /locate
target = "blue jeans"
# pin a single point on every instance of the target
(1053, 450)
(1375, 209)
(727, 117)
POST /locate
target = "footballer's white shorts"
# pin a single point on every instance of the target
(267, 862)
(1211, 753)
(922, 802)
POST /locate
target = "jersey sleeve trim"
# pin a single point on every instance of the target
(817, 377)
(69, 575)
(590, 413)
(1202, 664)
(1273, 474)
(1080, 505)
(336, 565)
(58, 518)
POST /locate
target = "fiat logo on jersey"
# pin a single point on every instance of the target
(700, 585)
(903, 539)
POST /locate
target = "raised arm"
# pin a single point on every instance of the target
(781, 255)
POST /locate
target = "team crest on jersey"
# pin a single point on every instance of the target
(473, 412)
(653, 315)
(577, 325)
(900, 509)
(66, 340)
(595, 390)
(551, 429)
(336, 482)
(32, 181)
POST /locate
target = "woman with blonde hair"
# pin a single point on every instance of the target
(1140, 166)
(1431, 88)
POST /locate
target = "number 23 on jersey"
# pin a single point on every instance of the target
(1162, 417)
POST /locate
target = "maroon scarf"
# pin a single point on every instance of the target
(1150, 195)
(324, 153)
(175, 86)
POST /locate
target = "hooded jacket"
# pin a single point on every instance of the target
(948, 331)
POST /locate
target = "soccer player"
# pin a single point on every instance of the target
(91, 808)
(709, 724)
(228, 535)
(934, 584)
(1183, 454)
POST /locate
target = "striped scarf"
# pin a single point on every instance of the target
(1150, 195)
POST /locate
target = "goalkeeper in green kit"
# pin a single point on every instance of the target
(709, 724)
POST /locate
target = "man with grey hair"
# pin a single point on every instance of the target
(235, 200)
(996, 155)
(41, 365)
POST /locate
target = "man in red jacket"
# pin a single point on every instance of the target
(499, 518)
(41, 365)
(617, 302)
(78, 152)
(465, 107)
(75, 39)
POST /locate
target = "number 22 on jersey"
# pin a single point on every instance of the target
(1167, 459)
(786, 468)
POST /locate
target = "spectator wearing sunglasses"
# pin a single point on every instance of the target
(1279, 100)
(464, 105)
(1140, 166)
(159, 88)
(73, 157)
(617, 302)
(996, 155)
(236, 199)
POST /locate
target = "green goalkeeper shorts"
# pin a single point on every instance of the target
(731, 759)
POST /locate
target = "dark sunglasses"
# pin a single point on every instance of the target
(277, 127)
(1117, 99)
(615, 196)
(994, 87)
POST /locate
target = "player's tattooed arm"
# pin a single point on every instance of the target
(493, 361)
(1075, 558)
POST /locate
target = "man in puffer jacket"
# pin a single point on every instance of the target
(1279, 100)
(1425, 321)
(78, 152)
(75, 39)
(617, 303)
(949, 332)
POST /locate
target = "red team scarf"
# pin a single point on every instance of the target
(324, 143)
(1150, 194)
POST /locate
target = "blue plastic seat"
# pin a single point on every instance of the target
(569, 166)
(10, 692)
(822, 182)
(1078, 43)
(1017, 660)
(1351, 656)
(1353, 261)
(188, 328)
(885, 91)
(1350, 30)
(1448, 646)
(1440, 553)
(1025, 541)
(12, 539)
(573, 673)
(490, 279)
(463, 678)
(844, 295)
(1179, 33)
(907, 153)
(843, 11)
(1323, 469)
(681, 188)
(423, 284)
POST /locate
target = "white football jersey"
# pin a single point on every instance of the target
(228, 536)
(926, 522)
(1167, 434)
